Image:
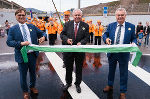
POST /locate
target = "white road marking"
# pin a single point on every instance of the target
(6, 54)
(146, 54)
(140, 73)
(86, 92)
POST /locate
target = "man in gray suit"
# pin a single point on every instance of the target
(75, 32)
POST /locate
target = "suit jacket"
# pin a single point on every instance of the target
(129, 35)
(138, 28)
(15, 38)
(148, 30)
(68, 33)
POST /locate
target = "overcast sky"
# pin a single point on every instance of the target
(63, 5)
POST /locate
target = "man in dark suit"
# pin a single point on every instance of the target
(146, 31)
(75, 32)
(139, 28)
(20, 35)
(119, 32)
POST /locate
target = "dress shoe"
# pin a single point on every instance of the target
(78, 88)
(122, 96)
(34, 90)
(108, 89)
(26, 95)
(66, 87)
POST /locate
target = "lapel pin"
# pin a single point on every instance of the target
(30, 29)
(83, 28)
(129, 29)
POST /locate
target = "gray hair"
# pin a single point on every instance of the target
(76, 10)
(121, 9)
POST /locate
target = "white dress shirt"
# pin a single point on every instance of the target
(77, 26)
(27, 31)
(122, 33)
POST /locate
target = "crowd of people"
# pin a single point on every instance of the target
(5, 28)
(74, 32)
(142, 34)
(54, 27)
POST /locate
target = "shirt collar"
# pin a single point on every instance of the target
(76, 23)
(22, 24)
(122, 24)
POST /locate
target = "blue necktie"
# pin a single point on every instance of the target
(118, 35)
(24, 33)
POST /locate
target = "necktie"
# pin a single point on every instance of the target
(118, 35)
(75, 30)
(24, 33)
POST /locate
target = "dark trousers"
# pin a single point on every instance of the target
(56, 35)
(91, 37)
(70, 57)
(51, 39)
(123, 59)
(147, 39)
(97, 38)
(7, 30)
(23, 69)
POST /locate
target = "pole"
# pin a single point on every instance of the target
(60, 6)
(78, 4)
(57, 12)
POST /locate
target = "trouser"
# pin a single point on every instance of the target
(91, 37)
(123, 59)
(23, 69)
(7, 30)
(97, 38)
(70, 57)
(56, 35)
(51, 39)
(147, 39)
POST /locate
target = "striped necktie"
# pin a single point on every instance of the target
(24, 33)
(118, 34)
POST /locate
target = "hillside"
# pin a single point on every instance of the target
(33, 10)
(132, 7)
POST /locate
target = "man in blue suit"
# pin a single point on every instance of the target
(119, 32)
(20, 35)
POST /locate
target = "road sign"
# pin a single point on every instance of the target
(105, 8)
(105, 11)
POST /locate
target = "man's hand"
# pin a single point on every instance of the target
(69, 41)
(25, 43)
(108, 41)
(133, 43)
(42, 39)
(78, 43)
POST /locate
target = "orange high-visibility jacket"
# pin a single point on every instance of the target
(41, 26)
(51, 28)
(91, 28)
(98, 30)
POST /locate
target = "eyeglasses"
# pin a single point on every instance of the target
(21, 15)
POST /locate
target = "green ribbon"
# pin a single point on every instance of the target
(86, 48)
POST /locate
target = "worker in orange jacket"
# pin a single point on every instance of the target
(98, 32)
(66, 19)
(41, 25)
(91, 31)
(83, 19)
(56, 23)
(52, 28)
